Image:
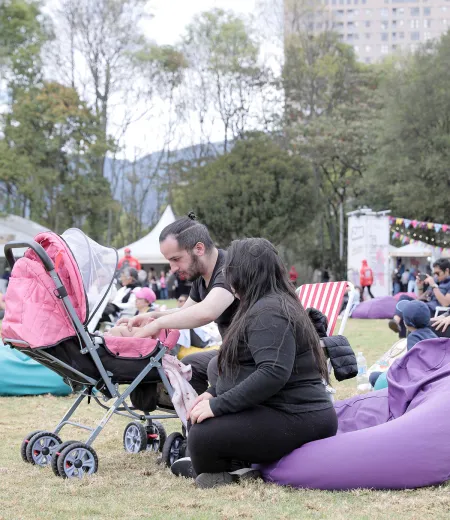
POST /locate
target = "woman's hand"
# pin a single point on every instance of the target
(202, 397)
(137, 321)
(441, 323)
(201, 411)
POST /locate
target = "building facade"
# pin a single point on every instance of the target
(374, 28)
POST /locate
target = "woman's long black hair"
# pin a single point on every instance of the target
(253, 269)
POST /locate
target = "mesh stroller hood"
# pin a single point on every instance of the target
(34, 313)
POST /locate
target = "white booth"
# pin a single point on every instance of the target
(368, 239)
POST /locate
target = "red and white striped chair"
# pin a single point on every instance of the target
(328, 298)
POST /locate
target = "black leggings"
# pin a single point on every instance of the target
(369, 287)
(258, 435)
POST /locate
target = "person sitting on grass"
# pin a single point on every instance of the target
(416, 316)
(437, 293)
(269, 397)
(145, 298)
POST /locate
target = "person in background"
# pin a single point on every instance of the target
(163, 286)
(404, 280)
(124, 300)
(143, 278)
(293, 275)
(325, 275)
(416, 317)
(412, 281)
(365, 279)
(2, 306)
(182, 300)
(171, 285)
(145, 298)
(6, 275)
(436, 294)
(129, 261)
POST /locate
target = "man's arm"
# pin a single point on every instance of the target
(217, 301)
(158, 314)
(443, 299)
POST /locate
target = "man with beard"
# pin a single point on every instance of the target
(189, 249)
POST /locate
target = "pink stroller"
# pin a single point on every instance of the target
(54, 293)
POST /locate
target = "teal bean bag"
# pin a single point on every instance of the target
(21, 375)
(381, 382)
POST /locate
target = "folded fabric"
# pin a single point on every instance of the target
(184, 395)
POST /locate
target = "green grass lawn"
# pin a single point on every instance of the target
(134, 487)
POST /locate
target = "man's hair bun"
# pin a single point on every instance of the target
(192, 215)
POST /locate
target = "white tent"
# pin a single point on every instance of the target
(418, 250)
(146, 250)
(17, 228)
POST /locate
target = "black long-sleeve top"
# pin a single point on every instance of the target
(277, 368)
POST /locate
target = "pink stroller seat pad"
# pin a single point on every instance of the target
(140, 347)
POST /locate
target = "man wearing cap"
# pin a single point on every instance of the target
(437, 294)
(129, 261)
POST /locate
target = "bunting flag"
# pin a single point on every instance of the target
(399, 221)
(443, 251)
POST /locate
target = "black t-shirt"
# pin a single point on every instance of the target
(199, 292)
(277, 367)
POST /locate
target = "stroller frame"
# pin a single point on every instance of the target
(88, 347)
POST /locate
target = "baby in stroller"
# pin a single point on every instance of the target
(48, 316)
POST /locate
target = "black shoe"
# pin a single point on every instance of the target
(213, 480)
(183, 468)
(393, 325)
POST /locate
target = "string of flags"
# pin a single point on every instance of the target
(418, 224)
(408, 240)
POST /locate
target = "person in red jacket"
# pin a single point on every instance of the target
(129, 261)
(365, 279)
(293, 275)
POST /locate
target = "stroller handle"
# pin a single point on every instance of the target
(37, 248)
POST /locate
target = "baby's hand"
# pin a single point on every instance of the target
(121, 331)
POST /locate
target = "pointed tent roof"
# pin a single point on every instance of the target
(146, 250)
(13, 227)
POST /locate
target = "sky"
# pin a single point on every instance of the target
(170, 17)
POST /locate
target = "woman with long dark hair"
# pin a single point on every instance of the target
(270, 396)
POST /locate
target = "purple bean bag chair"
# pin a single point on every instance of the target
(378, 308)
(395, 438)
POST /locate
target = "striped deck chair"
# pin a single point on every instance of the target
(327, 298)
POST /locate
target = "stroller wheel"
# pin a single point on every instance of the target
(156, 436)
(173, 448)
(25, 442)
(135, 437)
(77, 460)
(59, 449)
(39, 449)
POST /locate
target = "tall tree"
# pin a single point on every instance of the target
(409, 172)
(257, 189)
(103, 37)
(51, 142)
(23, 32)
(225, 76)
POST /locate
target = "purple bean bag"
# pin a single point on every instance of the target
(378, 308)
(395, 438)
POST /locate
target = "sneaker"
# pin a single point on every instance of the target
(183, 468)
(213, 480)
(393, 325)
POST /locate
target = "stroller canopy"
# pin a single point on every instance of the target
(34, 312)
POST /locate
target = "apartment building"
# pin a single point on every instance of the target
(375, 28)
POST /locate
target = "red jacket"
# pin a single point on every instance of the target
(365, 275)
(129, 261)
